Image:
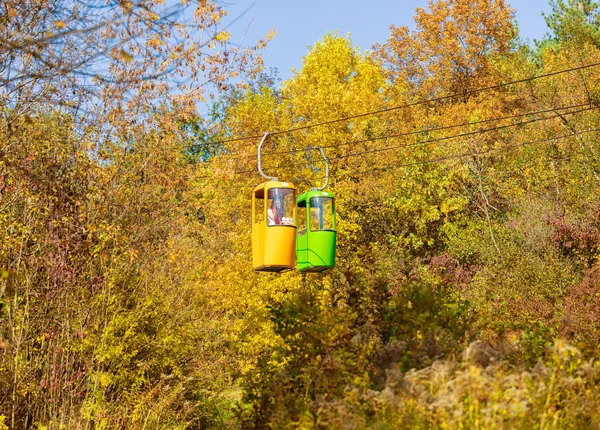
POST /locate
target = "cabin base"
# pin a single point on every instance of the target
(315, 269)
(274, 269)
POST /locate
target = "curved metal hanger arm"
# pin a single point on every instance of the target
(270, 178)
(326, 171)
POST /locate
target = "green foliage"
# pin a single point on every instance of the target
(327, 350)
(428, 319)
(576, 21)
(534, 341)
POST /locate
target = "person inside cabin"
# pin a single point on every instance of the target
(281, 207)
(274, 213)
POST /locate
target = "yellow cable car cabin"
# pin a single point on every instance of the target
(274, 227)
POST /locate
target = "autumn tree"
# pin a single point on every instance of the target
(93, 174)
(452, 46)
(104, 61)
(576, 21)
(467, 226)
(445, 221)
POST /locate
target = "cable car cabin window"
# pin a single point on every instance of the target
(259, 208)
(302, 217)
(281, 205)
(321, 213)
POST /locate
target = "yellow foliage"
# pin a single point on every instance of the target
(465, 249)
(222, 36)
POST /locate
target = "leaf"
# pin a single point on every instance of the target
(270, 35)
(127, 57)
(222, 36)
(60, 24)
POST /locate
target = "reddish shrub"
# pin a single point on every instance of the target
(449, 269)
(581, 310)
(578, 239)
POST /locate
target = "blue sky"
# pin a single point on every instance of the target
(299, 24)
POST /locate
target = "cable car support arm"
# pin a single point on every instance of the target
(326, 171)
(270, 178)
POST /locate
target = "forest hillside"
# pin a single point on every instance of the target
(465, 166)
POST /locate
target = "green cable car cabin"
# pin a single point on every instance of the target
(273, 226)
(316, 235)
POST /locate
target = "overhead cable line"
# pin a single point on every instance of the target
(407, 105)
(455, 136)
(447, 158)
(413, 132)
(410, 133)
(445, 127)
(431, 141)
(469, 154)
